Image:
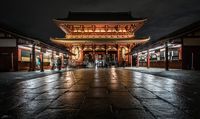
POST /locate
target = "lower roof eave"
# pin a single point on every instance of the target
(63, 40)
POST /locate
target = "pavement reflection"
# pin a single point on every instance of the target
(112, 93)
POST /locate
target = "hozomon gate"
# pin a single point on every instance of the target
(100, 37)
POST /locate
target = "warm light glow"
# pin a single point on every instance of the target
(103, 37)
(76, 51)
(99, 36)
(159, 47)
(24, 47)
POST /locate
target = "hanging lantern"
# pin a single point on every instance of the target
(93, 28)
(117, 27)
(82, 28)
(106, 28)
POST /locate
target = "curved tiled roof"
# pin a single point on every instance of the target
(100, 16)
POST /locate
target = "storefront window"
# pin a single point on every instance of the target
(153, 56)
(47, 57)
(25, 55)
(162, 55)
(175, 55)
(142, 57)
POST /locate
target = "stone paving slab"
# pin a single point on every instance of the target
(184, 76)
(58, 114)
(95, 109)
(133, 114)
(104, 93)
(142, 93)
(162, 109)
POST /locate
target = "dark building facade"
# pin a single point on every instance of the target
(180, 50)
(19, 52)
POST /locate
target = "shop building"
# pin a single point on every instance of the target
(179, 50)
(19, 52)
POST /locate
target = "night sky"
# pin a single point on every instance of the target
(34, 17)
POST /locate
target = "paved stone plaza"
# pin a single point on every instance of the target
(108, 93)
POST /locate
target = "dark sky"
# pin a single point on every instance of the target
(34, 17)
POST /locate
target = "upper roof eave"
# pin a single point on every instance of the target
(89, 21)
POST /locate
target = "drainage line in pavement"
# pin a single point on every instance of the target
(168, 102)
(146, 109)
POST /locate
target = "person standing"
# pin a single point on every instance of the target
(59, 63)
(38, 62)
(52, 64)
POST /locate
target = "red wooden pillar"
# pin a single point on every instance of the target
(30, 63)
(166, 57)
(42, 61)
(52, 60)
(82, 56)
(62, 60)
(129, 56)
(138, 60)
(70, 49)
(180, 53)
(19, 58)
(19, 54)
(93, 53)
(105, 49)
(33, 58)
(131, 60)
(118, 55)
(148, 59)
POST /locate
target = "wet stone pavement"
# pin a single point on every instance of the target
(100, 94)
